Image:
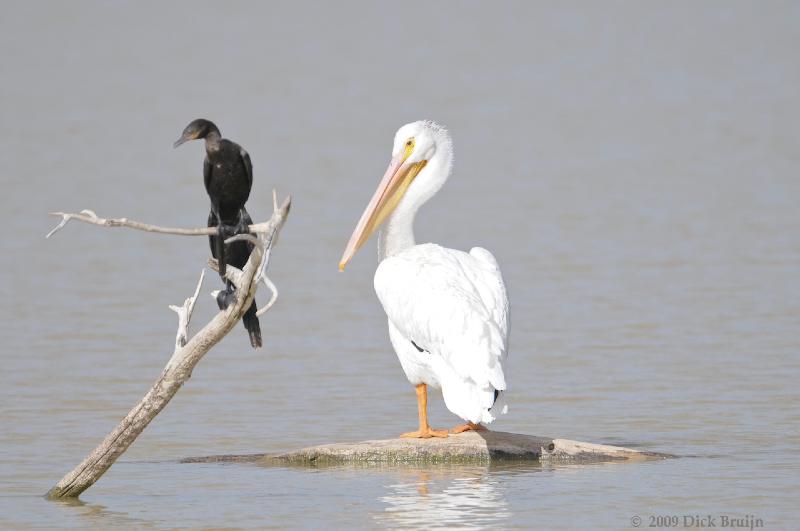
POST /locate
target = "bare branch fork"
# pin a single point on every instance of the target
(187, 352)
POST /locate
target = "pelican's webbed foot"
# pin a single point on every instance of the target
(424, 433)
(469, 426)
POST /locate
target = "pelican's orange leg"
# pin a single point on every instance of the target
(469, 426)
(424, 431)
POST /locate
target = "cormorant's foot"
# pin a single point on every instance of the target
(225, 298)
(242, 227)
(228, 231)
(424, 433)
(469, 426)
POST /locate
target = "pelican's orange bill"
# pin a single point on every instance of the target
(393, 186)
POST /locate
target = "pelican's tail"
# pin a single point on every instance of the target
(500, 406)
(480, 404)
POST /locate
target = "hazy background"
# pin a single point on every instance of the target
(633, 166)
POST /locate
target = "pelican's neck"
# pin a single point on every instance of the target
(397, 233)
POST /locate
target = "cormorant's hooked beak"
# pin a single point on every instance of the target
(180, 141)
(398, 177)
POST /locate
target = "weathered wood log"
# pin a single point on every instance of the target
(186, 355)
(468, 447)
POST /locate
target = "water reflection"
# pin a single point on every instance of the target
(96, 516)
(440, 497)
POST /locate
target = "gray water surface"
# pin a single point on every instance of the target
(633, 166)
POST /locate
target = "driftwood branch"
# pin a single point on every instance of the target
(262, 272)
(185, 314)
(187, 353)
(88, 216)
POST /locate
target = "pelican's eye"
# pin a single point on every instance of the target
(409, 148)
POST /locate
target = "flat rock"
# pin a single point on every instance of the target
(469, 447)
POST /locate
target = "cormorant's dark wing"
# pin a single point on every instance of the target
(207, 174)
(212, 239)
(248, 167)
(249, 319)
(246, 216)
(247, 220)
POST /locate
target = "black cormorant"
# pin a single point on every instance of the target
(228, 177)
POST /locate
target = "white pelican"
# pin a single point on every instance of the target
(447, 309)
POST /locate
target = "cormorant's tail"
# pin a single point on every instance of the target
(252, 325)
(250, 320)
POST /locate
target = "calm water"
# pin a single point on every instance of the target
(633, 167)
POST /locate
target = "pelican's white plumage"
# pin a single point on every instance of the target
(447, 309)
(453, 305)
